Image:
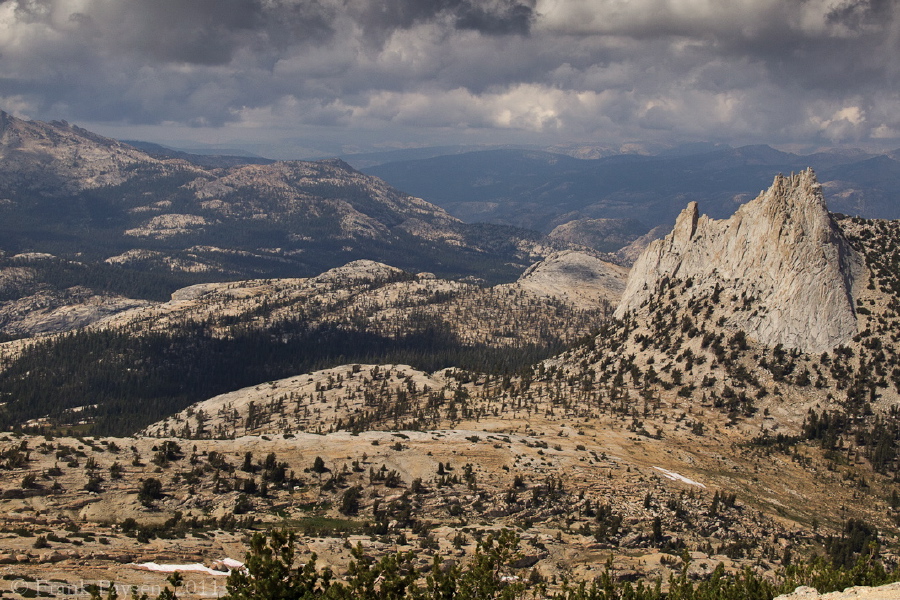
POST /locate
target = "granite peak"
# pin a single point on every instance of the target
(782, 253)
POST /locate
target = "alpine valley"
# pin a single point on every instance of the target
(200, 349)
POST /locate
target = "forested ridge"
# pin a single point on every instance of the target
(61, 274)
(127, 382)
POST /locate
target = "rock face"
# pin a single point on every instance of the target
(781, 256)
(884, 592)
(53, 312)
(54, 156)
(603, 235)
(580, 278)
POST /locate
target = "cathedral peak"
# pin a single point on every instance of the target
(782, 250)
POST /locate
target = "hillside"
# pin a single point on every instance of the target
(803, 436)
(603, 235)
(216, 337)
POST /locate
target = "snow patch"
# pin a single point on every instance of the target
(220, 567)
(676, 477)
(232, 564)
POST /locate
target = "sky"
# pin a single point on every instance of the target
(299, 78)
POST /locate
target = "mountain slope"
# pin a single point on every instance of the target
(71, 193)
(582, 279)
(603, 235)
(669, 441)
(143, 364)
(49, 158)
(673, 428)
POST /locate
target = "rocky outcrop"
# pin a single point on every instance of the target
(602, 235)
(51, 312)
(578, 277)
(781, 256)
(884, 592)
(358, 271)
(29, 306)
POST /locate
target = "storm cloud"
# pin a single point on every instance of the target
(815, 72)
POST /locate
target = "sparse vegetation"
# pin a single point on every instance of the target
(462, 433)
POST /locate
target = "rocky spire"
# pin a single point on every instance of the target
(782, 250)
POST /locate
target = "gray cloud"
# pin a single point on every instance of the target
(859, 14)
(777, 71)
(506, 18)
(492, 17)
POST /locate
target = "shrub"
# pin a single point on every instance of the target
(350, 500)
(151, 489)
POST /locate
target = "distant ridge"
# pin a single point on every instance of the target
(543, 190)
(214, 159)
(67, 191)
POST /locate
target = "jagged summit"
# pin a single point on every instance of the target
(55, 156)
(781, 256)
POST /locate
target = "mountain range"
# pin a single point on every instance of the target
(68, 192)
(543, 190)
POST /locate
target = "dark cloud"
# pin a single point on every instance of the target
(749, 70)
(210, 32)
(507, 18)
(491, 17)
(858, 14)
(205, 32)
